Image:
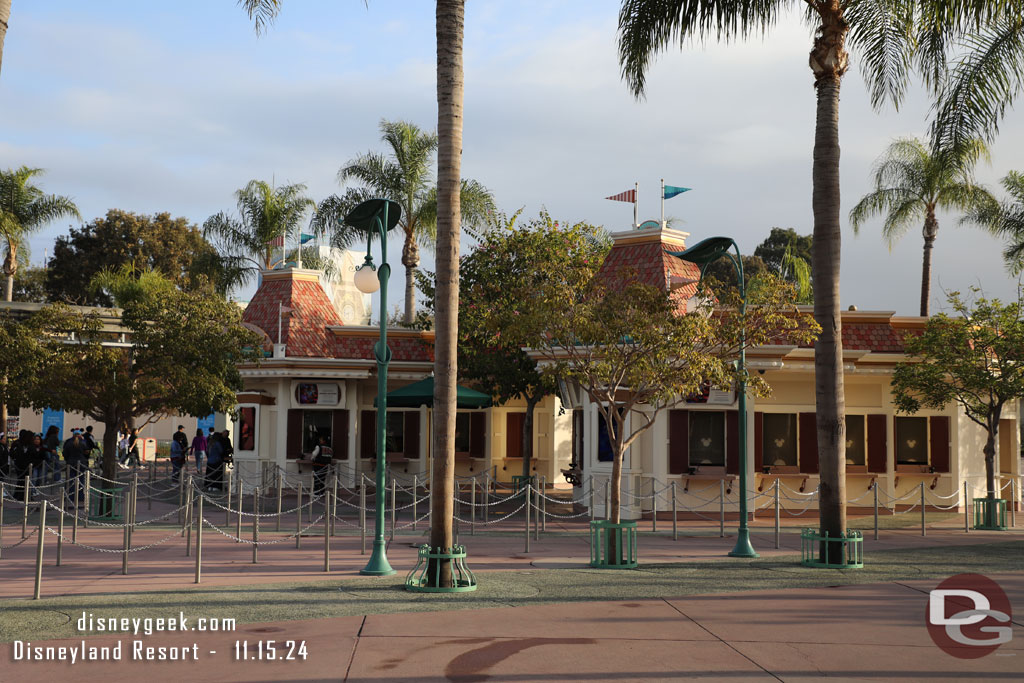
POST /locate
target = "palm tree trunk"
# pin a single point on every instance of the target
(5, 16)
(450, 17)
(931, 228)
(410, 259)
(828, 62)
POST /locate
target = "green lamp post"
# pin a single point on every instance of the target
(376, 217)
(703, 254)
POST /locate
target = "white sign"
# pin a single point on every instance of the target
(317, 394)
(719, 398)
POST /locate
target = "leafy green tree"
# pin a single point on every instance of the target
(404, 176)
(892, 38)
(628, 347)
(30, 285)
(911, 182)
(24, 209)
(723, 272)
(172, 246)
(972, 360)
(251, 242)
(182, 355)
(780, 242)
(1005, 219)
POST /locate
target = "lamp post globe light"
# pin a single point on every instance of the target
(703, 254)
(376, 217)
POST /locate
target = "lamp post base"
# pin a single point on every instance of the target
(743, 548)
(378, 564)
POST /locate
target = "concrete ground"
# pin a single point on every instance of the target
(541, 615)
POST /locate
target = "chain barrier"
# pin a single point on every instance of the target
(249, 541)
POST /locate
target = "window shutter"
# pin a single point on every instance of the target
(678, 441)
(339, 434)
(878, 441)
(411, 439)
(293, 439)
(368, 434)
(808, 438)
(939, 438)
(514, 434)
(478, 435)
(758, 442)
(732, 442)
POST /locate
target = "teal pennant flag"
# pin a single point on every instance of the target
(304, 237)
(671, 191)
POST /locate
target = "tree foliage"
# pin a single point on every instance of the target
(972, 359)
(30, 285)
(141, 242)
(1005, 219)
(624, 343)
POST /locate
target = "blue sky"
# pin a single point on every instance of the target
(155, 107)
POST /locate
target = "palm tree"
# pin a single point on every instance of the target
(911, 182)
(24, 208)
(403, 176)
(5, 16)
(1005, 219)
(892, 37)
(268, 217)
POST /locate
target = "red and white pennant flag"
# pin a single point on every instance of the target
(276, 242)
(627, 196)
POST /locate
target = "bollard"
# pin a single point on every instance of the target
(181, 498)
(1013, 503)
(60, 530)
(256, 524)
(334, 503)
(967, 511)
(298, 517)
(675, 517)
(487, 499)
(39, 548)
(280, 486)
(593, 509)
(199, 538)
(135, 502)
(721, 508)
(526, 506)
(124, 553)
(394, 501)
(654, 505)
(74, 522)
(536, 513)
(472, 507)
(543, 503)
(327, 540)
(238, 516)
(227, 508)
(24, 516)
(1, 517)
(187, 530)
(149, 496)
(88, 490)
(415, 498)
(362, 514)
(607, 497)
(922, 508)
(874, 488)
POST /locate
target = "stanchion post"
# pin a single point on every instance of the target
(654, 505)
(256, 524)
(152, 477)
(415, 498)
(60, 530)
(874, 488)
(922, 508)
(39, 549)
(1013, 503)
(472, 507)
(536, 512)
(181, 497)
(334, 501)
(298, 517)
(777, 513)
(125, 506)
(526, 506)
(2, 499)
(199, 538)
(24, 512)
(280, 488)
(721, 508)
(327, 540)
(187, 529)
(675, 515)
(607, 497)
(967, 511)
(593, 509)
(135, 502)
(362, 514)
(543, 503)
(394, 508)
(230, 475)
(238, 515)
(74, 522)
(487, 498)
(88, 491)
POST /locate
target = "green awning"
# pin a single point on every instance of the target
(422, 394)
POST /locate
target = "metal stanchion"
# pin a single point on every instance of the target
(186, 530)
(1013, 503)
(74, 522)
(199, 538)
(362, 514)
(654, 504)
(543, 503)
(593, 508)
(256, 524)
(60, 529)
(181, 498)
(721, 508)
(298, 517)
(777, 513)
(125, 506)
(526, 506)
(675, 514)
(334, 502)
(280, 487)
(922, 508)
(88, 491)
(967, 510)
(24, 514)
(487, 498)
(230, 476)
(536, 513)
(327, 540)
(135, 503)
(607, 497)
(2, 500)
(238, 515)
(415, 499)
(472, 507)
(394, 502)
(39, 548)
(152, 476)
(874, 486)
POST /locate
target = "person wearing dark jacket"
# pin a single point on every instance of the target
(181, 438)
(5, 457)
(51, 458)
(215, 463)
(21, 461)
(133, 448)
(76, 458)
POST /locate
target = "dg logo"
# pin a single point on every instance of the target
(969, 616)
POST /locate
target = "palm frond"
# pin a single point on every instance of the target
(877, 203)
(882, 32)
(261, 12)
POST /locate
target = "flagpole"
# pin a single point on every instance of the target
(662, 203)
(298, 259)
(280, 313)
(636, 199)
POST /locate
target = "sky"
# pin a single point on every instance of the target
(154, 107)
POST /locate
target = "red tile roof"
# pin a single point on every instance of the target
(304, 328)
(644, 258)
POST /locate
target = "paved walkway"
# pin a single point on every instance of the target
(867, 632)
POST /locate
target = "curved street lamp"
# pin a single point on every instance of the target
(704, 253)
(376, 217)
